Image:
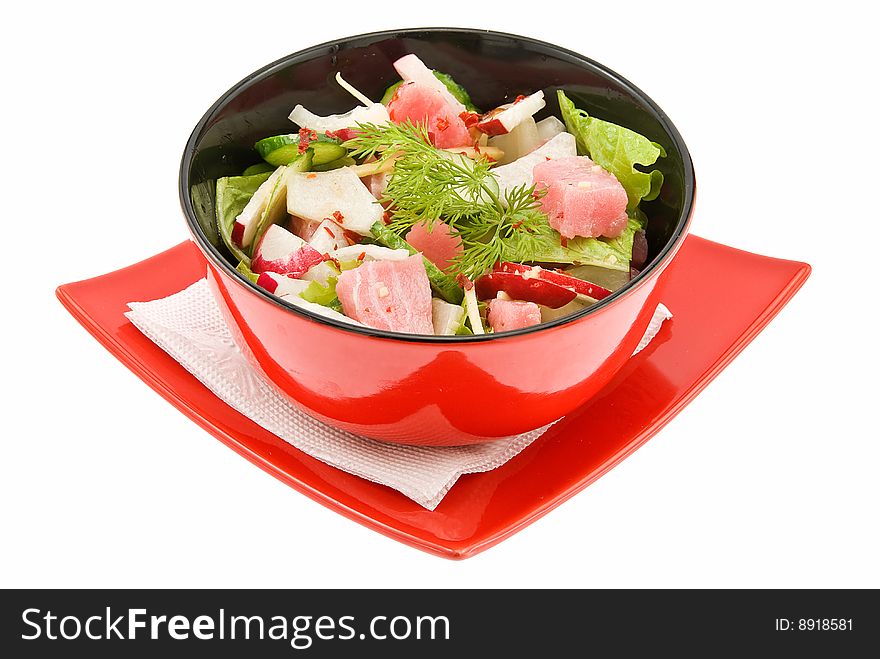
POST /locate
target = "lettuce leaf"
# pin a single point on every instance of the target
(464, 329)
(582, 251)
(233, 194)
(203, 195)
(323, 295)
(623, 244)
(612, 253)
(244, 269)
(274, 212)
(616, 149)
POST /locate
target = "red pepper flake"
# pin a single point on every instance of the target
(362, 256)
(343, 134)
(464, 282)
(442, 123)
(515, 225)
(547, 158)
(306, 135)
(387, 309)
(469, 118)
(338, 216)
(563, 241)
(519, 98)
(330, 231)
(312, 175)
(386, 217)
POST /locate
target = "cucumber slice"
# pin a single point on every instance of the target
(279, 150)
(444, 285)
(259, 168)
(459, 92)
(284, 149)
(326, 151)
(344, 161)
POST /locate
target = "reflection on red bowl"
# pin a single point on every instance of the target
(421, 389)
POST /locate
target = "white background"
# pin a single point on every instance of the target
(770, 478)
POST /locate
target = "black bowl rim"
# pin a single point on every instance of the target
(657, 264)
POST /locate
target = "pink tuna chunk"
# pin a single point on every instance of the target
(582, 198)
(438, 245)
(420, 103)
(389, 295)
(506, 315)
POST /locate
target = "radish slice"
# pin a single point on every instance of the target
(368, 252)
(549, 128)
(338, 194)
(519, 142)
(281, 284)
(328, 236)
(319, 309)
(285, 253)
(519, 172)
(446, 317)
(507, 117)
(245, 225)
(473, 309)
(372, 114)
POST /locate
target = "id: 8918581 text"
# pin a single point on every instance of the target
(814, 624)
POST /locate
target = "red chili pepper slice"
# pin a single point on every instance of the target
(469, 118)
(464, 282)
(527, 289)
(579, 286)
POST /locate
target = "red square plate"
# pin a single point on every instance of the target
(740, 292)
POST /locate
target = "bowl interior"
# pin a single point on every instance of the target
(493, 67)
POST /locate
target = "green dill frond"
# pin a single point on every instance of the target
(430, 185)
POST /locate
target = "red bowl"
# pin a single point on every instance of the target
(431, 390)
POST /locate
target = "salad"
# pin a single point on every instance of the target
(422, 214)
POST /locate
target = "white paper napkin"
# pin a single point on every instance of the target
(190, 327)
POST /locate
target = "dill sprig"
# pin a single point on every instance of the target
(430, 184)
